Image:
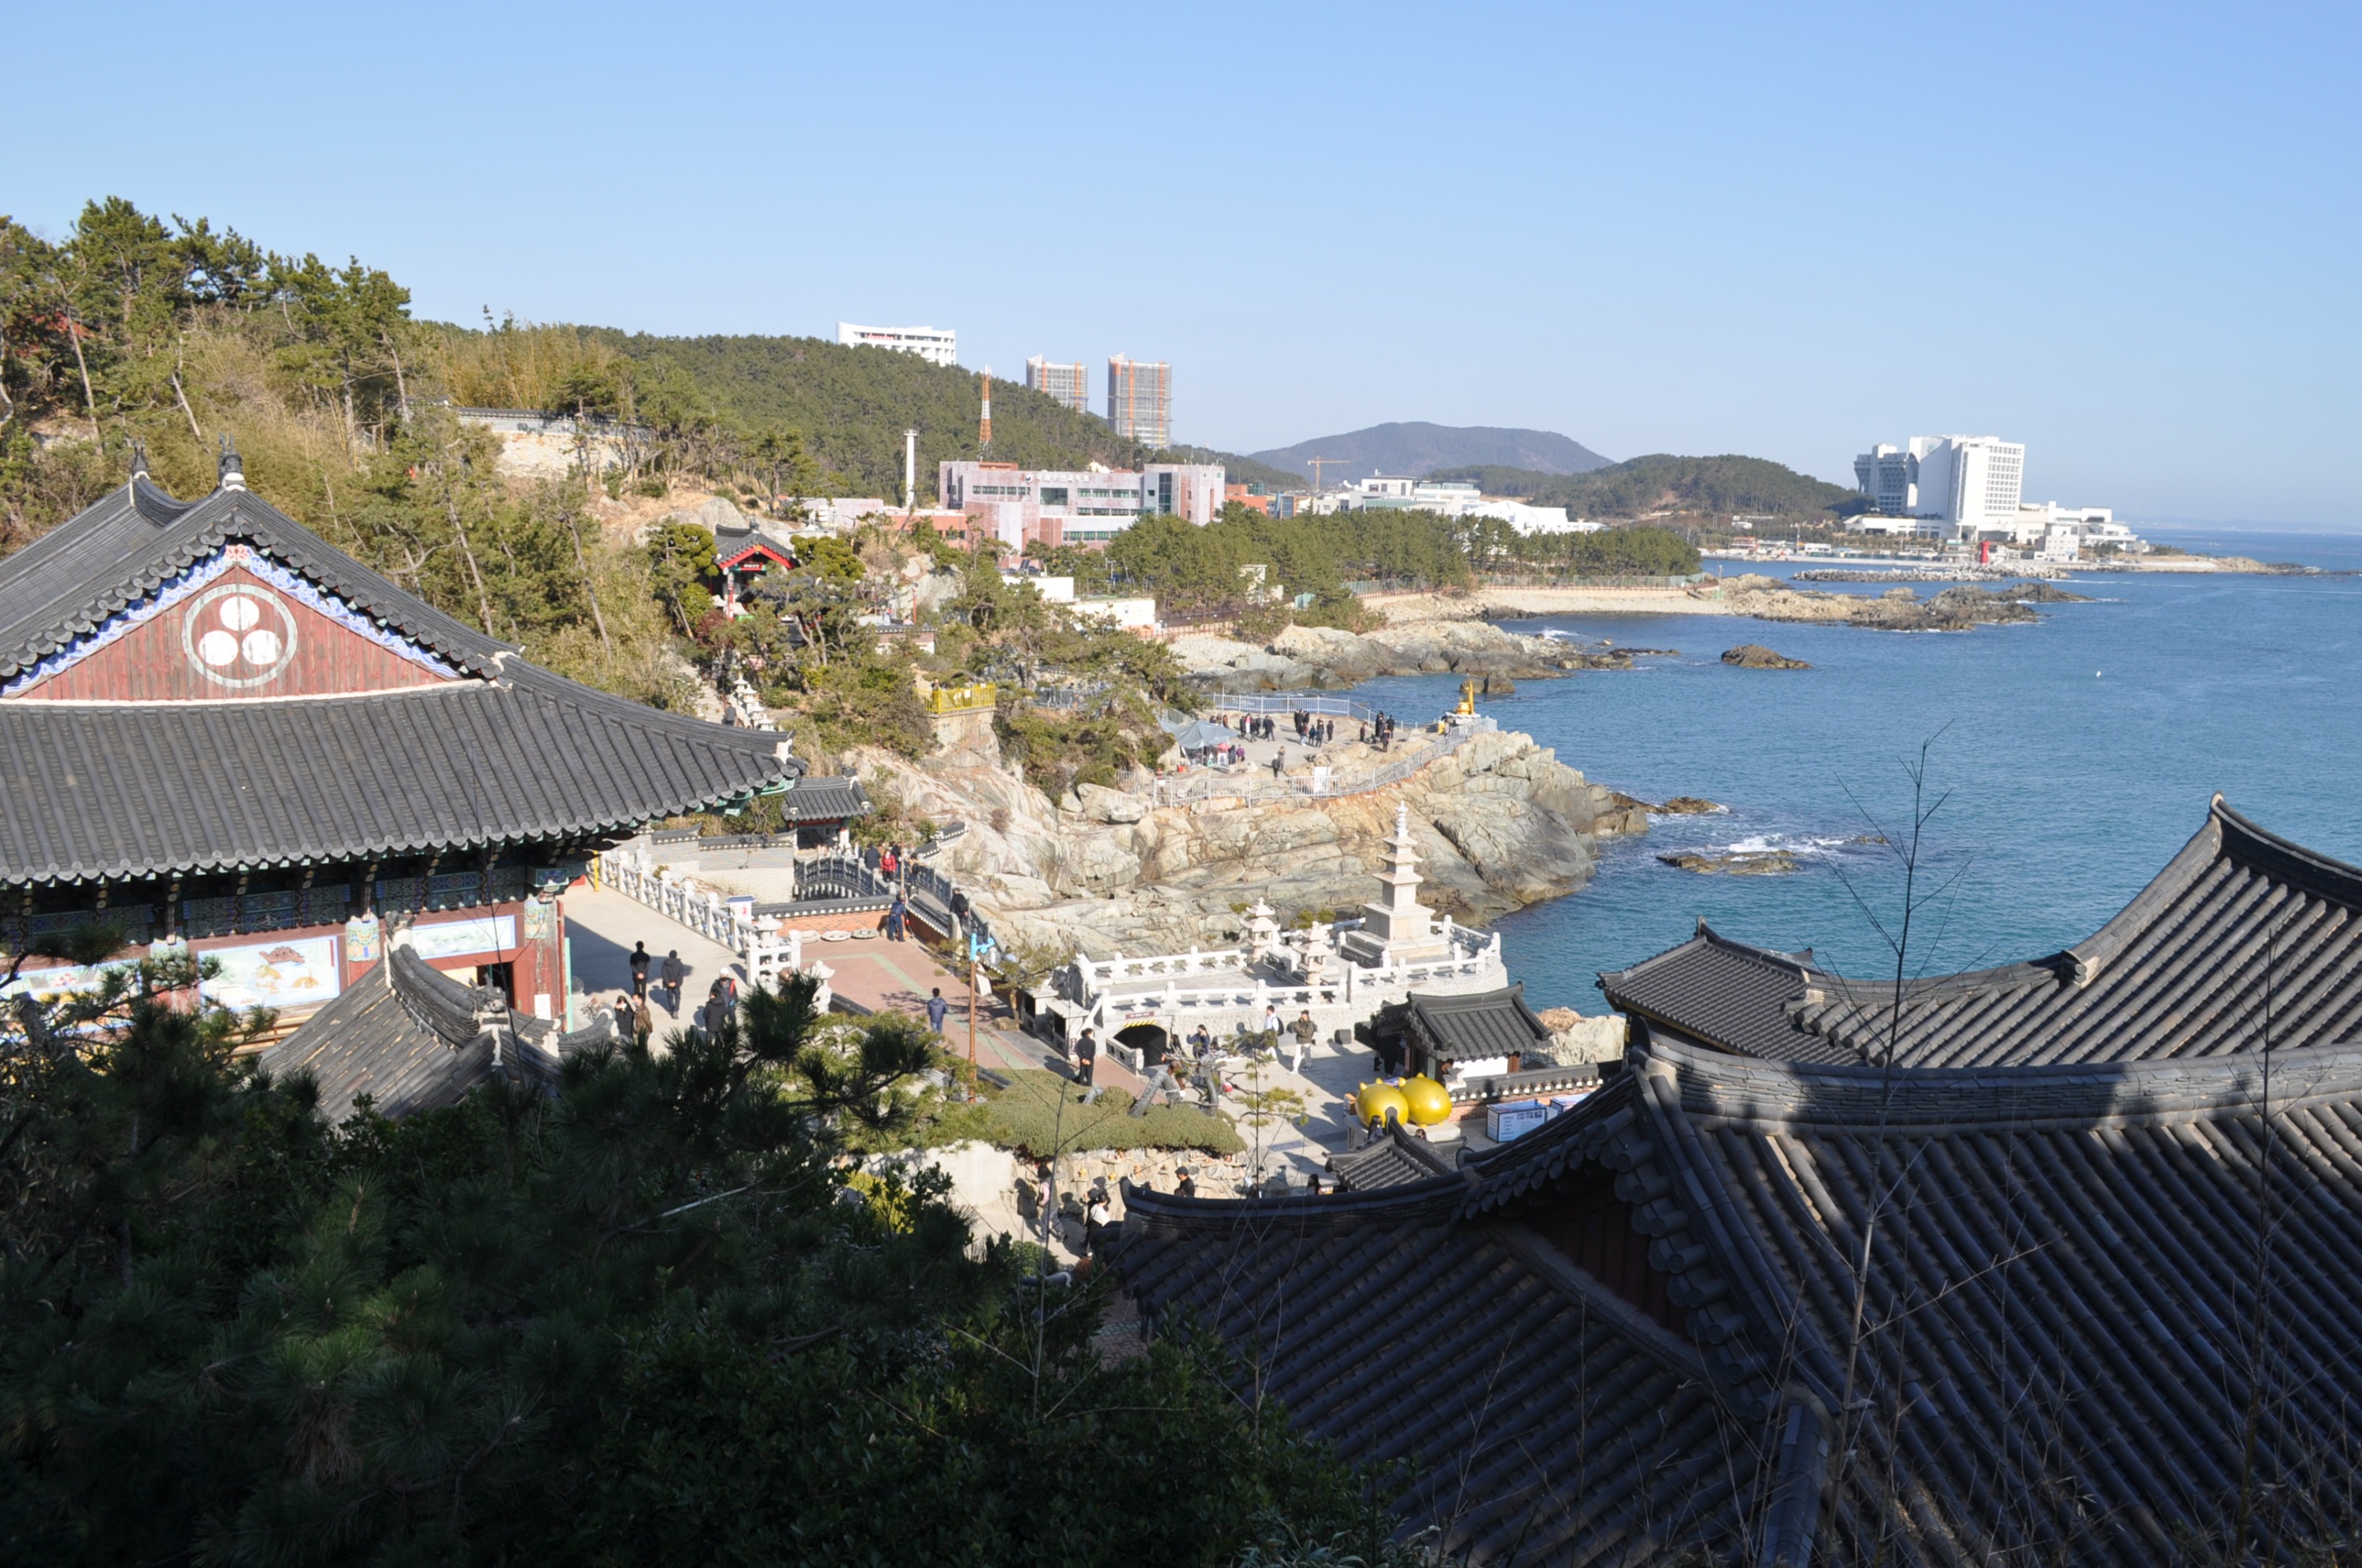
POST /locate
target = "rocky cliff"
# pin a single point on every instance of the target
(1500, 823)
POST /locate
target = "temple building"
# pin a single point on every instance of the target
(2072, 1277)
(219, 731)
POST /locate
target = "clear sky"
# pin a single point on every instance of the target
(2125, 235)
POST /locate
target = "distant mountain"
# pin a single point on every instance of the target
(1661, 482)
(1419, 447)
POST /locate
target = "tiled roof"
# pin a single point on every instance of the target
(414, 1039)
(824, 798)
(104, 789)
(1547, 1421)
(1723, 993)
(2070, 1318)
(2240, 928)
(117, 790)
(1393, 1158)
(1461, 1028)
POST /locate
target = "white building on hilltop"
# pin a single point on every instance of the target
(935, 345)
(1451, 498)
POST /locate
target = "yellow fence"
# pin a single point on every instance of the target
(985, 696)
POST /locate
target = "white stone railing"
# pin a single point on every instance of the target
(1097, 974)
(767, 955)
(1347, 985)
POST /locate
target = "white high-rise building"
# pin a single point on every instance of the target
(936, 344)
(1970, 481)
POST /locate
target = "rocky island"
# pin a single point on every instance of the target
(1755, 656)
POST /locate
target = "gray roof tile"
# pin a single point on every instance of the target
(511, 754)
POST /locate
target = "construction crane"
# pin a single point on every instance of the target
(1316, 463)
(984, 425)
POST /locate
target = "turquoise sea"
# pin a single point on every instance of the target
(2074, 758)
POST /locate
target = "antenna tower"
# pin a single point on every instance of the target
(984, 424)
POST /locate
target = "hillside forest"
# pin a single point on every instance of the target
(177, 333)
(1664, 486)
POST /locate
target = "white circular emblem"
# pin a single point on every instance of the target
(238, 636)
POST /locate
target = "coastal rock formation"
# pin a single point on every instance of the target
(1310, 658)
(1689, 806)
(1898, 610)
(1575, 1039)
(1500, 823)
(1734, 862)
(1755, 656)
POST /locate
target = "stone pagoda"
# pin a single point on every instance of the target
(1397, 929)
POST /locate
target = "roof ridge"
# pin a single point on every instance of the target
(129, 566)
(2113, 1092)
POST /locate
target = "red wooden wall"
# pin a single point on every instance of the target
(233, 645)
(1585, 1220)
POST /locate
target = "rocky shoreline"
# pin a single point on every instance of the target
(1324, 658)
(1500, 823)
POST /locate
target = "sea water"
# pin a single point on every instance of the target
(2065, 763)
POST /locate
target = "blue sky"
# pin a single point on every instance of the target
(2126, 236)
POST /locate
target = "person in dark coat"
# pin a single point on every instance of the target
(673, 973)
(937, 1010)
(625, 1023)
(1087, 1058)
(640, 962)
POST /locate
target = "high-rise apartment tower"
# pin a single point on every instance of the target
(1070, 384)
(1140, 400)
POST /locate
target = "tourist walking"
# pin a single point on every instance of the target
(1306, 1032)
(1278, 762)
(640, 962)
(673, 973)
(937, 1011)
(896, 913)
(960, 906)
(1087, 1061)
(623, 1019)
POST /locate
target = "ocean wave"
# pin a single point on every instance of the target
(1802, 845)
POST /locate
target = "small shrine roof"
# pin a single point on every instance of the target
(413, 1039)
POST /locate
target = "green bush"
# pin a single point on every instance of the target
(1042, 1116)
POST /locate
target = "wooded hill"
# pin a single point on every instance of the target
(847, 407)
(1661, 482)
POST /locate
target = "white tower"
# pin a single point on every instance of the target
(1400, 928)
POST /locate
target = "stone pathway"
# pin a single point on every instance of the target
(601, 926)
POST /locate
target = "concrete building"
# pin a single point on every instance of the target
(1886, 474)
(1140, 400)
(1903, 527)
(1456, 498)
(1066, 506)
(1070, 384)
(936, 344)
(1971, 481)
